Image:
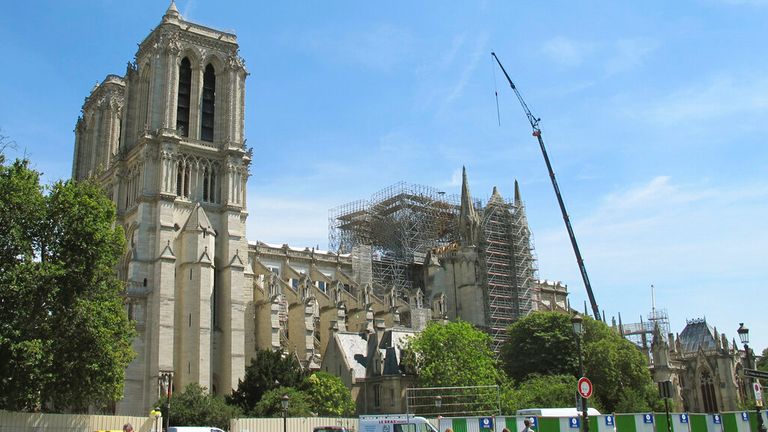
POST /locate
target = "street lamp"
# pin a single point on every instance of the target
(285, 400)
(576, 322)
(744, 337)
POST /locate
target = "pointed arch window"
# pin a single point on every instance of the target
(708, 396)
(182, 104)
(208, 104)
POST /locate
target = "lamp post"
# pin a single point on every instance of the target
(744, 337)
(576, 322)
(285, 400)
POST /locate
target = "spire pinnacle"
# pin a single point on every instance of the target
(469, 222)
(172, 12)
(496, 197)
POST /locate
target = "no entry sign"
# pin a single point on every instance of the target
(585, 387)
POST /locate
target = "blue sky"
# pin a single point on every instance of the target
(654, 115)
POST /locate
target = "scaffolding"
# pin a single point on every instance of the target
(509, 266)
(641, 334)
(399, 224)
(390, 234)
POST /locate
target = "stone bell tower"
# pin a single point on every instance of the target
(166, 140)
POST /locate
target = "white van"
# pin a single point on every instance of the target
(193, 429)
(394, 423)
(555, 412)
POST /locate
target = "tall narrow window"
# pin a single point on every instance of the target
(206, 185)
(179, 178)
(213, 195)
(708, 392)
(187, 178)
(185, 90)
(209, 96)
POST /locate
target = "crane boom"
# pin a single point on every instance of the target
(537, 133)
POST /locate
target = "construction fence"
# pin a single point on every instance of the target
(741, 421)
(38, 422)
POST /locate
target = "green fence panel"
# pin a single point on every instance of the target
(459, 425)
(511, 423)
(697, 422)
(550, 424)
(662, 424)
(635, 422)
(625, 423)
(735, 421)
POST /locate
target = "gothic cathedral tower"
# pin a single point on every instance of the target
(166, 141)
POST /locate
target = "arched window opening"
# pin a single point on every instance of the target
(209, 96)
(179, 178)
(708, 392)
(144, 100)
(206, 180)
(185, 90)
(213, 194)
(187, 176)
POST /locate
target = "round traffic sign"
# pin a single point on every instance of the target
(585, 387)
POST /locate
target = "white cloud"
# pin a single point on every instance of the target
(693, 241)
(614, 57)
(567, 52)
(705, 100)
(629, 54)
(466, 73)
(381, 47)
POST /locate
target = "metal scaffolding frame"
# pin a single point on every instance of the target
(641, 333)
(390, 234)
(399, 224)
(509, 266)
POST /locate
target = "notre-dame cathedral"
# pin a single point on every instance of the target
(166, 142)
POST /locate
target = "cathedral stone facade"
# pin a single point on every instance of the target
(166, 142)
(706, 370)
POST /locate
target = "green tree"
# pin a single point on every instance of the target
(453, 354)
(271, 404)
(64, 334)
(194, 406)
(543, 343)
(328, 395)
(268, 370)
(551, 391)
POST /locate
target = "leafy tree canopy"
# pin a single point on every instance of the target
(328, 395)
(543, 343)
(268, 370)
(453, 354)
(64, 334)
(271, 405)
(194, 406)
(551, 391)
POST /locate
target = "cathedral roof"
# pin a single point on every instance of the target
(353, 347)
(697, 334)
